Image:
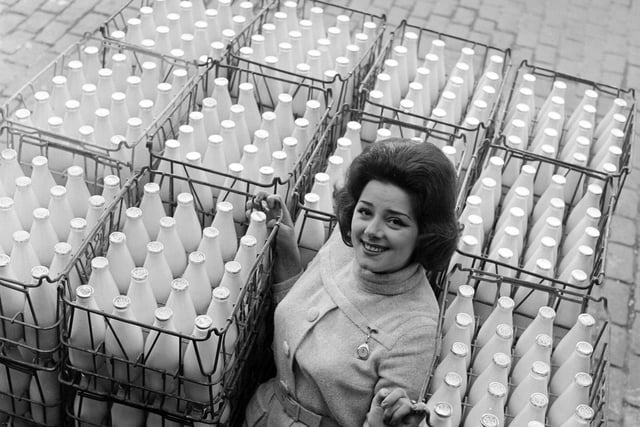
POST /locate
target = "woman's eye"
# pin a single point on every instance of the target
(395, 221)
(364, 211)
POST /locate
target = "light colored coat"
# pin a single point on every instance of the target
(322, 321)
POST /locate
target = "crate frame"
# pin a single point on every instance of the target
(547, 76)
(608, 201)
(341, 93)
(484, 129)
(45, 140)
(254, 301)
(598, 307)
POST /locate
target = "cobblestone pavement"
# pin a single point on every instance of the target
(595, 39)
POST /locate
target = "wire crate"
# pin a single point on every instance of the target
(559, 299)
(248, 316)
(583, 177)
(97, 160)
(266, 101)
(575, 88)
(29, 393)
(343, 87)
(115, 27)
(452, 50)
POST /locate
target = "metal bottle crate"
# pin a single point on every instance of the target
(344, 90)
(575, 90)
(25, 392)
(606, 205)
(117, 22)
(248, 315)
(600, 338)
(266, 102)
(91, 156)
(452, 51)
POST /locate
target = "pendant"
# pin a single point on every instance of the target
(363, 351)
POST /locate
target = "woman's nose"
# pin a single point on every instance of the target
(374, 228)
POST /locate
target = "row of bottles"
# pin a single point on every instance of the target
(582, 136)
(429, 89)
(537, 378)
(187, 29)
(103, 103)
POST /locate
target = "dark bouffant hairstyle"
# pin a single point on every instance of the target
(423, 171)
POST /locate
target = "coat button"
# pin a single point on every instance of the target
(286, 349)
(312, 314)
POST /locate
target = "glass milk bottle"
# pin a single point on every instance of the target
(542, 324)
(541, 350)
(582, 330)
(25, 201)
(87, 331)
(173, 248)
(23, 256)
(120, 258)
(578, 361)
(187, 223)
(162, 353)
(11, 301)
(440, 416)
(462, 303)
(104, 286)
(137, 235)
(455, 361)
(152, 209)
(460, 331)
(202, 363)
(535, 382)
(123, 340)
(310, 231)
(43, 236)
(160, 275)
(534, 411)
(181, 302)
(210, 247)
(221, 312)
(500, 342)
(502, 313)
(223, 221)
(41, 179)
(582, 416)
(196, 274)
(497, 371)
(143, 303)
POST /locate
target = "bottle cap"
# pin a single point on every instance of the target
(544, 340)
(23, 181)
(39, 271)
(497, 389)
(584, 348)
(96, 201)
(463, 319)
(196, 257)
(62, 248)
(84, 291)
(459, 349)
(546, 312)
(99, 262)
(583, 379)
(466, 291)
(453, 379)
(38, 161)
(163, 313)
(502, 360)
(232, 267)
(504, 331)
(443, 409)
(250, 149)
(21, 236)
(78, 223)
(133, 212)
(585, 319)
(121, 302)
(139, 274)
(179, 284)
(220, 293)
(540, 368)
(57, 191)
(585, 412)
(258, 216)
(111, 181)
(538, 400)
(489, 420)
(311, 199)
(248, 240)
(166, 221)
(185, 198)
(203, 322)
(40, 213)
(236, 168)
(225, 207)
(474, 219)
(506, 303)
(155, 247)
(210, 232)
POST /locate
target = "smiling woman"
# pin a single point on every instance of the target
(355, 333)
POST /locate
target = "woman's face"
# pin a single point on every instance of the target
(384, 230)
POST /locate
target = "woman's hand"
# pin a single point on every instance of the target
(394, 408)
(287, 262)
